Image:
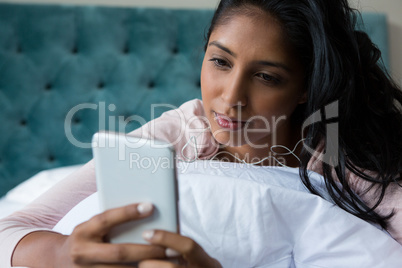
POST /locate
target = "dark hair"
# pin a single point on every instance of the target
(341, 65)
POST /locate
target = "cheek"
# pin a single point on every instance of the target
(274, 105)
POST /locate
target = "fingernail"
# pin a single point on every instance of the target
(171, 253)
(147, 235)
(145, 207)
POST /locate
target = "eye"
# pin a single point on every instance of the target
(220, 63)
(268, 78)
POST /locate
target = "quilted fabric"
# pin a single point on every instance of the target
(375, 25)
(99, 67)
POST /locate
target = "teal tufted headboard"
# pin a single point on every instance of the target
(96, 67)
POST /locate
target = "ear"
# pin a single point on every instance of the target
(303, 98)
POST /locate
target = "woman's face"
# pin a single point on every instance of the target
(251, 81)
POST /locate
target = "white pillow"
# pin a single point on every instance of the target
(247, 216)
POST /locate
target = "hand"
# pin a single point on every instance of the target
(192, 253)
(86, 246)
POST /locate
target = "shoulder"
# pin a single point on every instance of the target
(185, 127)
(188, 109)
(195, 105)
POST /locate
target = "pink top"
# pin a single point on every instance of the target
(187, 129)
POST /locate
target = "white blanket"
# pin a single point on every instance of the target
(247, 216)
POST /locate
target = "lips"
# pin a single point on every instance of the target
(228, 123)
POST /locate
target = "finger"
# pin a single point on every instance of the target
(158, 264)
(100, 225)
(190, 250)
(182, 244)
(97, 253)
(113, 266)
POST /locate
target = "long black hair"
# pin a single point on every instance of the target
(342, 66)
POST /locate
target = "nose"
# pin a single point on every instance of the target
(234, 92)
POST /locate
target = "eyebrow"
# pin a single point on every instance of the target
(262, 62)
(274, 64)
(220, 46)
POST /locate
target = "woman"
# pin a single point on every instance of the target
(268, 66)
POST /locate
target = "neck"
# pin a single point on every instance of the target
(272, 152)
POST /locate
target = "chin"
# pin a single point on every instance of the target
(230, 139)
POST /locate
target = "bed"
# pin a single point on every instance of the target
(69, 71)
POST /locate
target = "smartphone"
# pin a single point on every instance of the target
(133, 170)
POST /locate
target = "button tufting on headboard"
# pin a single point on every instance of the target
(19, 50)
(151, 85)
(126, 49)
(101, 85)
(76, 120)
(51, 158)
(48, 86)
